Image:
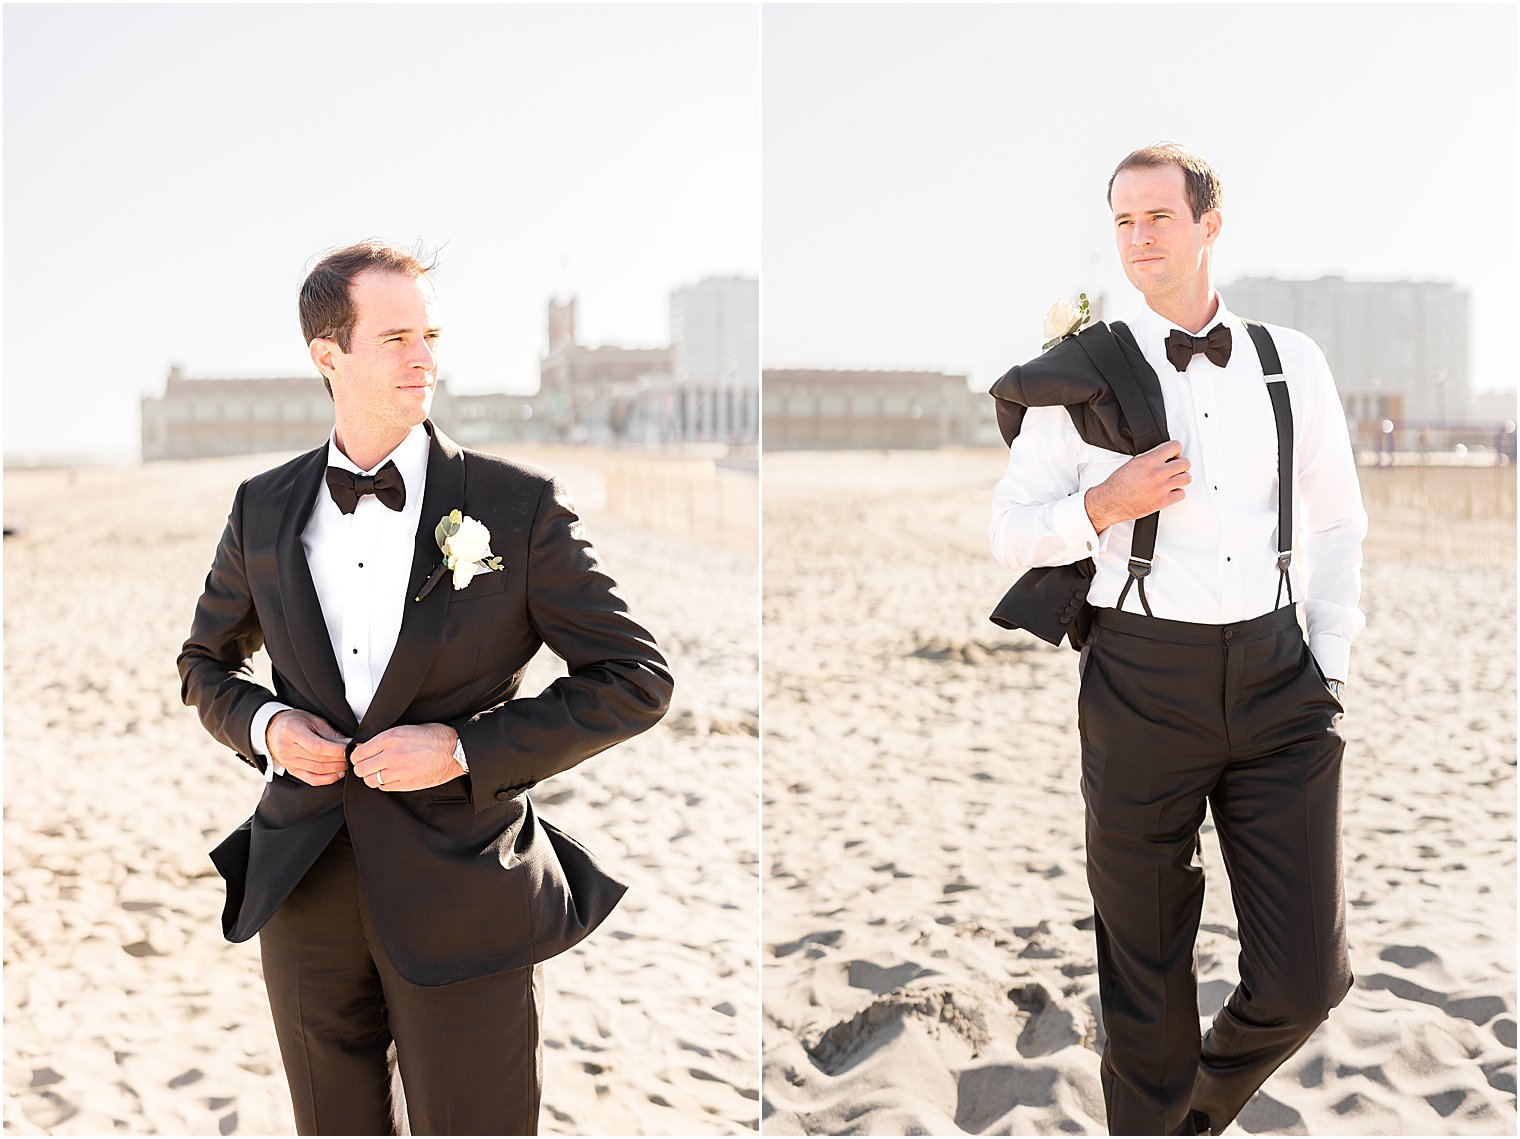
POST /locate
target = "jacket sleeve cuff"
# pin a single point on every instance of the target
(488, 784)
(1333, 655)
(256, 732)
(1069, 519)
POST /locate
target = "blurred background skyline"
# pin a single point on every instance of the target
(172, 171)
(934, 179)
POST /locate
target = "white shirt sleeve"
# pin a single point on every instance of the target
(260, 725)
(1039, 516)
(1331, 524)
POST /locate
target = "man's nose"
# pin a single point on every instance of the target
(423, 358)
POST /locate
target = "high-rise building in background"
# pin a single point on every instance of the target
(1398, 349)
(715, 331)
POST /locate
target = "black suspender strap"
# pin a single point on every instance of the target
(1147, 434)
(1282, 412)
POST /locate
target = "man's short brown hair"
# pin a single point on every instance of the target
(1203, 190)
(326, 308)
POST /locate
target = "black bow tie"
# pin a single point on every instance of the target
(348, 488)
(1180, 347)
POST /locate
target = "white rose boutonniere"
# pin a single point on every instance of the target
(466, 548)
(1065, 318)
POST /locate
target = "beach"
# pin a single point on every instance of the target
(125, 1010)
(928, 961)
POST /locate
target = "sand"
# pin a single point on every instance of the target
(928, 965)
(126, 1012)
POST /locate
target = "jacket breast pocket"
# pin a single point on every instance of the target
(481, 585)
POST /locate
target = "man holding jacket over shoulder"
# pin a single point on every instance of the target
(1197, 685)
(403, 886)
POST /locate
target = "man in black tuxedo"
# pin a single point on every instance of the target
(404, 888)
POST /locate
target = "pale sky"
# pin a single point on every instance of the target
(172, 170)
(934, 178)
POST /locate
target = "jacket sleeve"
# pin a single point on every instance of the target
(618, 684)
(213, 664)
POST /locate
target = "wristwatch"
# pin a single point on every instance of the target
(1335, 687)
(459, 756)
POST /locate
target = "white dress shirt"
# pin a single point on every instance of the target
(1216, 549)
(360, 564)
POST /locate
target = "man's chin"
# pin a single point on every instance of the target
(419, 407)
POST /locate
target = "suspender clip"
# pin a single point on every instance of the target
(1139, 567)
(1284, 578)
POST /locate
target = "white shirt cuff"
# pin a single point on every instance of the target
(1069, 519)
(1333, 655)
(260, 725)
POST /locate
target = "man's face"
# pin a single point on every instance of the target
(1163, 250)
(387, 377)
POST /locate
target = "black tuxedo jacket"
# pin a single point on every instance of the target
(1114, 398)
(463, 879)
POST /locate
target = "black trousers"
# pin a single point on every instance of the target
(469, 1053)
(1174, 715)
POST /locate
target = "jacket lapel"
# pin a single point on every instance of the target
(422, 622)
(303, 612)
(1134, 381)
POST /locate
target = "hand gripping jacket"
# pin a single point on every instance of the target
(1114, 399)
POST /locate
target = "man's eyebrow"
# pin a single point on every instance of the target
(389, 332)
(1152, 210)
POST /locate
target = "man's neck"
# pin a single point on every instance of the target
(366, 445)
(1191, 311)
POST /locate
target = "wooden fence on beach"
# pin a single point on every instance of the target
(698, 493)
(1445, 513)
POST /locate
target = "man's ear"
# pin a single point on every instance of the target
(1213, 222)
(322, 350)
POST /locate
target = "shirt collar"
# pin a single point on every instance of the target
(1151, 325)
(410, 457)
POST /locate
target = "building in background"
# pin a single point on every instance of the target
(818, 408)
(700, 388)
(586, 393)
(715, 332)
(1398, 349)
(200, 417)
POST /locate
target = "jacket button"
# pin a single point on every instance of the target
(1065, 620)
(503, 795)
